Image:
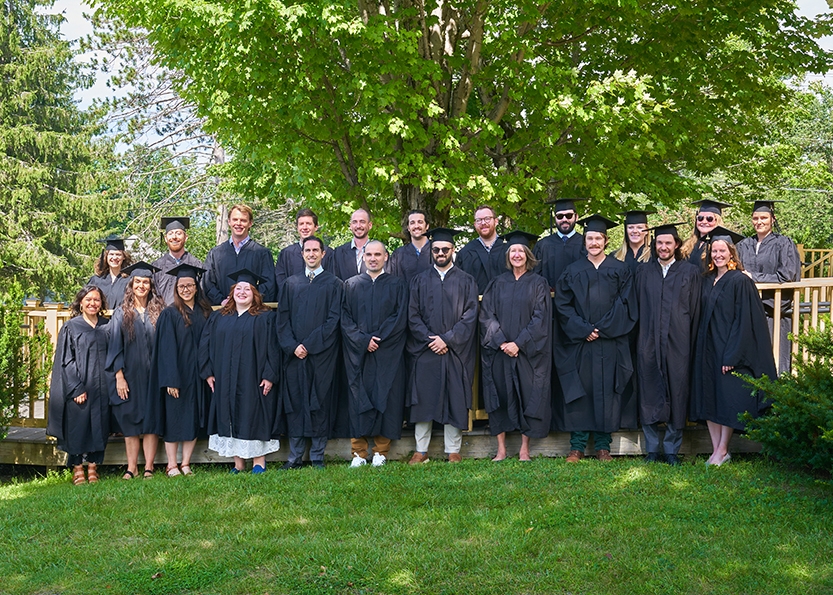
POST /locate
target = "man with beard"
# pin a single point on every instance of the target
(373, 323)
(348, 258)
(484, 258)
(596, 311)
(442, 319)
(291, 259)
(414, 257)
(174, 232)
(668, 295)
(240, 252)
(309, 310)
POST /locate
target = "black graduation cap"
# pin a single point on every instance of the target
(764, 205)
(635, 216)
(186, 270)
(141, 269)
(597, 223)
(565, 204)
(666, 228)
(170, 223)
(721, 233)
(112, 243)
(441, 234)
(247, 276)
(707, 205)
(519, 237)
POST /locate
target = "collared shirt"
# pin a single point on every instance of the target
(315, 273)
(568, 235)
(443, 273)
(359, 254)
(666, 267)
(240, 247)
(487, 246)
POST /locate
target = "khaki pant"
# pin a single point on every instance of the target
(380, 445)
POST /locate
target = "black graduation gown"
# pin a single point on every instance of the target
(669, 311)
(516, 390)
(113, 290)
(440, 385)
(239, 352)
(696, 256)
(290, 262)
(141, 412)
(732, 332)
(165, 283)
(481, 264)
(222, 260)
(405, 263)
(177, 365)
(309, 315)
(375, 381)
(343, 264)
(79, 364)
(777, 261)
(594, 374)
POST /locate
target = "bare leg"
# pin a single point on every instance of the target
(714, 434)
(170, 453)
(723, 446)
(239, 464)
(187, 451)
(259, 461)
(501, 447)
(131, 446)
(150, 443)
(524, 454)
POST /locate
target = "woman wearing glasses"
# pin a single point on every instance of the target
(709, 216)
(185, 396)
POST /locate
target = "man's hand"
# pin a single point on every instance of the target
(174, 392)
(437, 345)
(511, 349)
(301, 352)
(374, 344)
(594, 335)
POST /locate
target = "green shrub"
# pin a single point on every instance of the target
(25, 361)
(798, 429)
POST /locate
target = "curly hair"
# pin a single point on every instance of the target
(75, 307)
(154, 308)
(257, 303)
(101, 266)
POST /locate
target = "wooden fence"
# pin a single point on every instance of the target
(816, 262)
(811, 300)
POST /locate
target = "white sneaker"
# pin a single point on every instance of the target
(379, 459)
(358, 461)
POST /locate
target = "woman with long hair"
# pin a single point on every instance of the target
(79, 411)
(236, 359)
(709, 215)
(110, 271)
(129, 358)
(636, 244)
(184, 396)
(732, 338)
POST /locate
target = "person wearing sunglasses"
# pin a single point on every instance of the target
(484, 256)
(709, 215)
(441, 348)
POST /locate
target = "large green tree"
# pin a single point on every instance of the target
(50, 209)
(440, 105)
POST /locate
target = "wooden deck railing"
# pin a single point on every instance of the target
(816, 262)
(811, 301)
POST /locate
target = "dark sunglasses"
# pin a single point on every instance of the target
(707, 218)
(440, 250)
(564, 215)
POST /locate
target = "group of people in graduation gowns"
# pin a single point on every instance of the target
(570, 339)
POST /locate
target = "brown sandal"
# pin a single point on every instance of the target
(78, 475)
(92, 473)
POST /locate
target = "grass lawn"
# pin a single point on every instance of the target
(477, 527)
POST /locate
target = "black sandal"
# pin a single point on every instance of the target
(128, 472)
(147, 474)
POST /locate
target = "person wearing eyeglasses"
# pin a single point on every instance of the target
(442, 319)
(709, 215)
(484, 257)
(175, 236)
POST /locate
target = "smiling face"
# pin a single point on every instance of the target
(375, 257)
(360, 224)
(240, 224)
(565, 221)
(313, 254)
(485, 223)
(762, 221)
(665, 244)
(186, 288)
(720, 254)
(91, 304)
(517, 256)
(114, 259)
(595, 243)
(243, 294)
(417, 226)
(636, 233)
(175, 239)
(306, 227)
(706, 222)
(141, 287)
(442, 252)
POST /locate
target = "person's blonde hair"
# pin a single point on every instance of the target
(691, 241)
(531, 261)
(243, 209)
(622, 252)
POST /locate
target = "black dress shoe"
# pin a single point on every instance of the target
(317, 464)
(292, 465)
(653, 457)
(673, 460)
